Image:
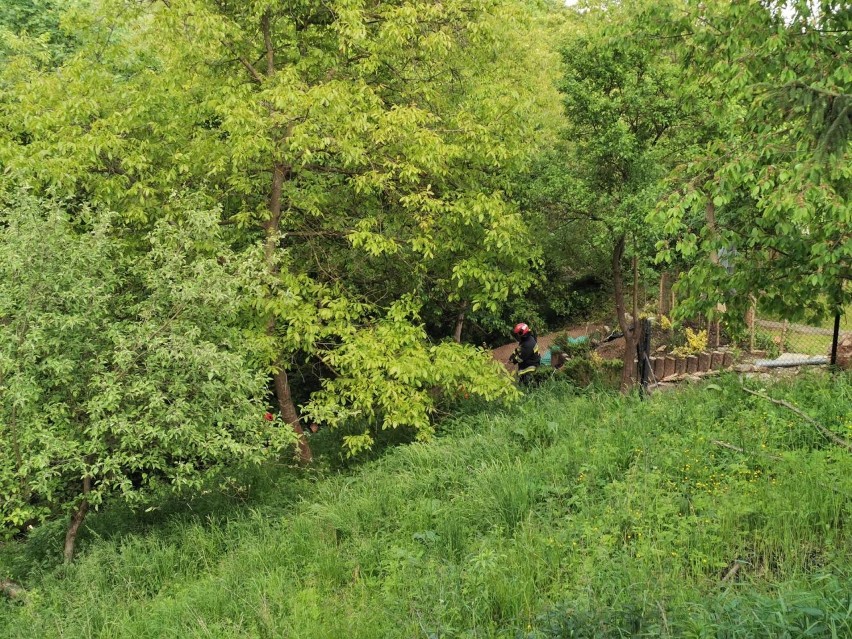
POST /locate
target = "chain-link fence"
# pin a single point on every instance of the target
(671, 351)
(775, 342)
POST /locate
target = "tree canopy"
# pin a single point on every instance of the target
(773, 166)
(122, 369)
(367, 144)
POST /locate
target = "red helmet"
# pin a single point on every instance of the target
(521, 329)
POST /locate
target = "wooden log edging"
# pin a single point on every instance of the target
(666, 366)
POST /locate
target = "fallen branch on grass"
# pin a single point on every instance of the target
(732, 572)
(651, 369)
(822, 429)
(741, 450)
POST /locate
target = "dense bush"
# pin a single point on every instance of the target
(122, 372)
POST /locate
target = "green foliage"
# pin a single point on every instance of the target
(35, 26)
(389, 376)
(123, 365)
(372, 146)
(589, 514)
(626, 105)
(573, 346)
(772, 162)
(694, 342)
(765, 341)
(591, 371)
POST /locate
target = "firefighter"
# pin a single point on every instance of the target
(526, 355)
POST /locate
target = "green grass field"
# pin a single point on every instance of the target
(570, 515)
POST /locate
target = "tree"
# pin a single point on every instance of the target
(123, 371)
(769, 186)
(366, 142)
(34, 25)
(623, 99)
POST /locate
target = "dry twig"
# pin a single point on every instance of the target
(741, 450)
(732, 572)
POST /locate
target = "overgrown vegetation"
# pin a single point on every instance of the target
(225, 225)
(708, 512)
(123, 369)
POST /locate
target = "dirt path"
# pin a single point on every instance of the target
(610, 350)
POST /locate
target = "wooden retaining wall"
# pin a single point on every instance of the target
(665, 366)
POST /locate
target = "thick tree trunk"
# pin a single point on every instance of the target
(714, 257)
(711, 224)
(460, 323)
(664, 298)
(272, 226)
(628, 373)
(77, 520)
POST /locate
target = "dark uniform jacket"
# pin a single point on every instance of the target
(526, 355)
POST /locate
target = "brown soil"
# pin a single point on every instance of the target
(610, 350)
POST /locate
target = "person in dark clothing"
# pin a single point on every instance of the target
(526, 355)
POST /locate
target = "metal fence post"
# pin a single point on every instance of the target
(835, 339)
(643, 347)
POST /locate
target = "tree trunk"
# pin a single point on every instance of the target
(628, 373)
(635, 289)
(711, 224)
(272, 228)
(751, 315)
(290, 414)
(77, 520)
(664, 298)
(714, 258)
(460, 323)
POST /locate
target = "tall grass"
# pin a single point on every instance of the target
(568, 516)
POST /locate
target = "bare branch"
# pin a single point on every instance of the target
(822, 429)
(255, 75)
(740, 450)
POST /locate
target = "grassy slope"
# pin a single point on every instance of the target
(567, 516)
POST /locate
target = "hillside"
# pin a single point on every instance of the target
(571, 515)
